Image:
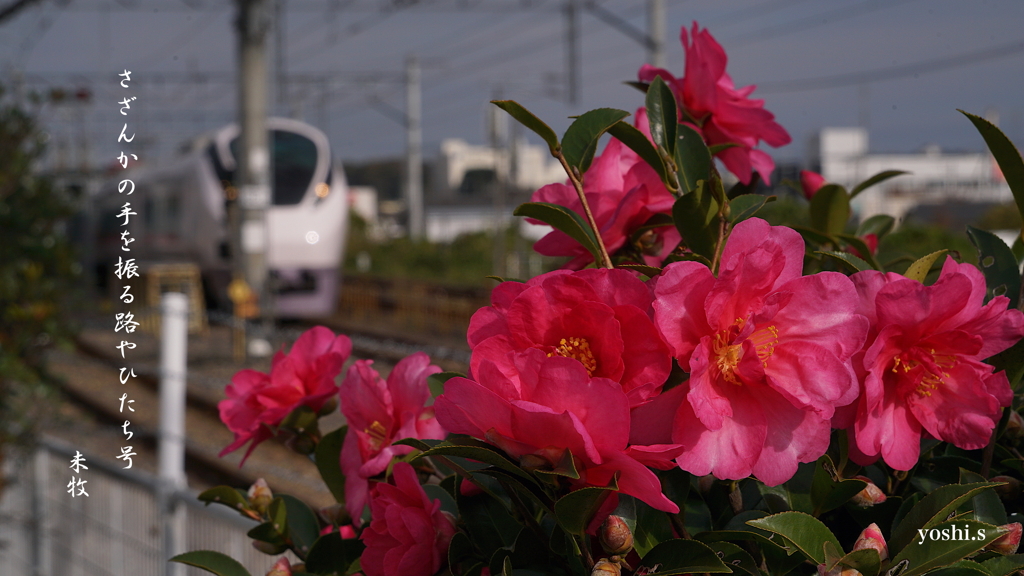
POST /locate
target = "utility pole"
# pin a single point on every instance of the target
(280, 69)
(413, 148)
(252, 179)
(498, 133)
(572, 36)
(656, 32)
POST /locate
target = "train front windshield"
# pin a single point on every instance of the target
(294, 164)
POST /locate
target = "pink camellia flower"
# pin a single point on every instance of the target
(921, 366)
(623, 192)
(551, 405)
(722, 114)
(281, 568)
(1009, 542)
(810, 182)
(379, 413)
(256, 402)
(768, 353)
(598, 317)
(409, 534)
(872, 538)
(870, 495)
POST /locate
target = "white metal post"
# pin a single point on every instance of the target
(173, 370)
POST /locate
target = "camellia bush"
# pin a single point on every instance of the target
(697, 392)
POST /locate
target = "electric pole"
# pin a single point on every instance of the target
(656, 32)
(572, 64)
(252, 179)
(414, 149)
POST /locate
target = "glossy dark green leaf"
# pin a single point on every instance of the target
(693, 214)
(877, 178)
(984, 506)
(924, 553)
(637, 141)
(579, 143)
(998, 264)
(278, 514)
(716, 148)
(745, 206)
(1012, 361)
(649, 271)
(526, 118)
(435, 492)
(460, 551)
(920, 268)
(866, 561)
(740, 189)
(962, 568)
(849, 259)
(652, 528)
(933, 509)
(577, 508)
(436, 381)
(736, 558)
(693, 159)
(830, 209)
(879, 225)
(566, 467)
(303, 527)
(480, 454)
(487, 522)
(213, 562)
(226, 495)
(328, 462)
(1004, 565)
(861, 247)
(564, 219)
(806, 532)
(679, 556)
(268, 532)
(815, 238)
(662, 115)
(828, 491)
(332, 553)
(1006, 155)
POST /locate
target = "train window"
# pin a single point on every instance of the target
(294, 162)
(294, 165)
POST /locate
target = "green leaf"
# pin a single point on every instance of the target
(576, 509)
(998, 264)
(879, 225)
(278, 513)
(649, 271)
(526, 118)
(662, 115)
(331, 553)
(693, 214)
(579, 143)
(828, 491)
(866, 561)
(740, 189)
(436, 381)
(850, 260)
(877, 178)
(1004, 565)
(213, 562)
(226, 495)
(566, 467)
(920, 269)
(637, 141)
(652, 528)
(1012, 361)
(564, 219)
(736, 558)
(435, 492)
(745, 206)
(830, 209)
(460, 551)
(924, 554)
(962, 568)
(1006, 155)
(268, 533)
(806, 532)
(679, 556)
(303, 527)
(487, 521)
(815, 238)
(861, 247)
(986, 505)
(933, 509)
(693, 160)
(480, 454)
(328, 462)
(716, 148)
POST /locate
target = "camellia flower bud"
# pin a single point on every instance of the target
(872, 538)
(1007, 543)
(870, 495)
(810, 182)
(838, 570)
(615, 536)
(260, 496)
(1011, 488)
(606, 568)
(281, 568)
(1015, 426)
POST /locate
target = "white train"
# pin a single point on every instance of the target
(181, 216)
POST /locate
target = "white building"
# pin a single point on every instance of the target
(934, 177)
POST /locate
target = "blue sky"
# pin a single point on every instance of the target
(471, 49)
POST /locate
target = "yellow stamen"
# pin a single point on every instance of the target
(577, 349)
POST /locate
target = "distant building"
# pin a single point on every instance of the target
(935, 178)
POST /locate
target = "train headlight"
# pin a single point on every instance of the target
(322, 190)
(312, 237)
